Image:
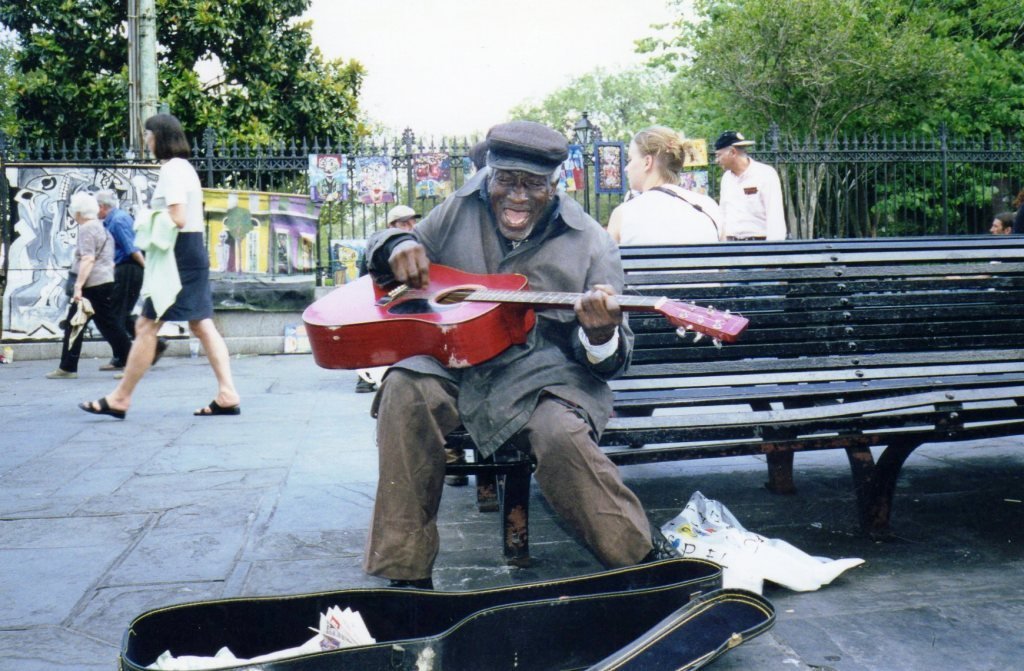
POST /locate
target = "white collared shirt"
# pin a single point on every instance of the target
(752, 203)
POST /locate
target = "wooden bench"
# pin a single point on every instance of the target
(853, 344)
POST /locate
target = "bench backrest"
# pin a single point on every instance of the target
(824, 298)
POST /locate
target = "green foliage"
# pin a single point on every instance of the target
(74, 75)
(820, 67)
(988, 95)
(620, 103)
(814, 66)
(8, 79)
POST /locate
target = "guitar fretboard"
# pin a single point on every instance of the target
(558, 299)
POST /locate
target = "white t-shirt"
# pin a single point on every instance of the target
(658, 218)
(178, 184)
(752, 203)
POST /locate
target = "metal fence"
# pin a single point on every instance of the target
(887, 185)
(847, 187)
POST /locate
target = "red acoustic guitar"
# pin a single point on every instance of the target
(460, 319)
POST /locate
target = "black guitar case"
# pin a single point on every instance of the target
(663, 615)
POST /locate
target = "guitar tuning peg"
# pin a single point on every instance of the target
(711, 308)
(681, 331)
(728, 313)
(718, 343)
(697, 337)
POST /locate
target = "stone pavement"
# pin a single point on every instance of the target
(101, 520)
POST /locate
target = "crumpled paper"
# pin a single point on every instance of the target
(705, 529)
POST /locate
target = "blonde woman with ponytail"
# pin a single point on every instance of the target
(663, 213)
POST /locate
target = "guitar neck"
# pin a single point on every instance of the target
(552, 299)
(719, 325)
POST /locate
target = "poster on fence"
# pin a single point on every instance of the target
(238, 230)
(257, 232)
(695, 153)
(695, 180)
(609, 164)
(374, 180)
(346, 259)
(571, 178)
(433, 174)
(328, 177)
(294, 218)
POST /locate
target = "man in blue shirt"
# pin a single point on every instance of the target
(128, 266)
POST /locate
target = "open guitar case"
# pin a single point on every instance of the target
(664, 616)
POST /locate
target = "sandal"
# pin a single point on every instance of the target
(217, 409)
(101, 407)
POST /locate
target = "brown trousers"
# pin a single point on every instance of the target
(584, 487)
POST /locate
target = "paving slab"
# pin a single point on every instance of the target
(102, 520)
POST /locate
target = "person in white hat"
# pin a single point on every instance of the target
(750, 195)
(403, 217)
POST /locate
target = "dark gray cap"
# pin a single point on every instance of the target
(526, 145)
(731, 138)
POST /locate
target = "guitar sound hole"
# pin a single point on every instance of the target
(456, 295)
(413, 306)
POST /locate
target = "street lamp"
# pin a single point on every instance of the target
(583, 132)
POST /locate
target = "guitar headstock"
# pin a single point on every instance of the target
(723, 326)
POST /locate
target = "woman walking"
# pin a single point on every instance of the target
(93, 291)
(178, 204)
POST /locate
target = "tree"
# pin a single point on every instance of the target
(815, 67)
(621, 103)
(989, 86)
(73, 58)
(8, 54)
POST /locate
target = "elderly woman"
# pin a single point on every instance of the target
(179, 291)
(94, 281)
(663, 213)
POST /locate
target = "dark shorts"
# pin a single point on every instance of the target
(194, 301)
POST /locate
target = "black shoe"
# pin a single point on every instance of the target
(422, 583)
(161, 347)
(662, 548)
(456, 480)
(364, 387)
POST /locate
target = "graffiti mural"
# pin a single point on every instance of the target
(45, 236)
(256, 232)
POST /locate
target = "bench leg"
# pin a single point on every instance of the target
(514, 495)
(486, 492)
(780, 472)
(875, 484)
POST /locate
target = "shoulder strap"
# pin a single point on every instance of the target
(695, 206)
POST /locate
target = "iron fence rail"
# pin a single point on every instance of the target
(862, 186)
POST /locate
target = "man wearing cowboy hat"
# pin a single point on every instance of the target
(750, 194)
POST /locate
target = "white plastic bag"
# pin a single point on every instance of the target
(705, 529)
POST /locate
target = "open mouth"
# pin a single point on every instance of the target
(516, 218)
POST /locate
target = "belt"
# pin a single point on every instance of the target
(744, 238)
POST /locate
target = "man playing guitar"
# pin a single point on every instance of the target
(548, 396)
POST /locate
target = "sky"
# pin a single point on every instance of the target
(456, 67)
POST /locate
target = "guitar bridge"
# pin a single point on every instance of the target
(392, 295)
